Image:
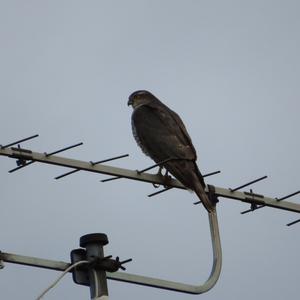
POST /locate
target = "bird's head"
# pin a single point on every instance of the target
(140, 98)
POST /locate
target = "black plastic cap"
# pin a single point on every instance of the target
(100, 238)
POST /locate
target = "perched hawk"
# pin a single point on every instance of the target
(161, 134)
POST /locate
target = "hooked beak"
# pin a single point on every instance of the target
(130, 102)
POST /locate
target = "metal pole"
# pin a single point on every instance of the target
(182, 287)
(93, 243)
(25, 154)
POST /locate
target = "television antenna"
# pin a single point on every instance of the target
(96, 268)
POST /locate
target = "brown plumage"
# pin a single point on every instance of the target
(161, 134)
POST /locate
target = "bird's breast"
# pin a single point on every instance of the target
(138, 140)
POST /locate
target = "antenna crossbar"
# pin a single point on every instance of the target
(28, 155)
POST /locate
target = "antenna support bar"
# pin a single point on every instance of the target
(24, 154)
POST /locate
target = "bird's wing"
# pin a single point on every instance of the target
(186, 139)
(162, 134)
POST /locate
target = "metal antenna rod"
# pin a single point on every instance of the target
(19, 141)
(288, 196)
(110, 179)
(22, 162)
(108, 159)
(212, 173)
(252, 209)
(161, 191)
(251, 182)
(63, 149)
(22, 166)
(292, 223)
(66, 174)
(92, 163)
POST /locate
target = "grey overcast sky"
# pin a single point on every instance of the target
(231, 69)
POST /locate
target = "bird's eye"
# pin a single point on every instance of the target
(139, 94)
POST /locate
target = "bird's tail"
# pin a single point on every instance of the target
(200, 192)
(187, 172)
(199, 188)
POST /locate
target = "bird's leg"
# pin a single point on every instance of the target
(166, 178)
(159, 173)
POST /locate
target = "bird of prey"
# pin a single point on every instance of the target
(162, 136)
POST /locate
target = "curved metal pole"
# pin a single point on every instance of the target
(138, 279)
(217, 255)
(177, 286)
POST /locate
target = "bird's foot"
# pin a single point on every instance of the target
(166, 179)
(159, 173)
